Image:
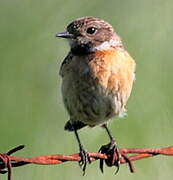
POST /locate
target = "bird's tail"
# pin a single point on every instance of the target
(74, 125)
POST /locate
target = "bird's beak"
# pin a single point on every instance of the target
(64, 35)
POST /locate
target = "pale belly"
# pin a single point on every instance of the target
(87, 102)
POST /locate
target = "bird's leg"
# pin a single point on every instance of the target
(74, 126)
(85, 159)
(110, 149)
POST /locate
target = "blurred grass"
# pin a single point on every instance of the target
(31, 109)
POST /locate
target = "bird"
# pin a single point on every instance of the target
(97, 78)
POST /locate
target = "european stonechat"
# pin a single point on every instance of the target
(97, 78)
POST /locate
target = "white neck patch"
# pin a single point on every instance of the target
(107, 45)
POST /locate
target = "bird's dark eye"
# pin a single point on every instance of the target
(91, 30)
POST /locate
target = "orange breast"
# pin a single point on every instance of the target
(114, 70)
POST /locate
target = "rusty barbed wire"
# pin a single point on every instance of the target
(7, 161)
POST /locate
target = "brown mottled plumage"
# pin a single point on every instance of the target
(97, 76)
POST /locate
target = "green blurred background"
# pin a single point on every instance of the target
(31, 108)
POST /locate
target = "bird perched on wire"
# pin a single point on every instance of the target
(97, 78)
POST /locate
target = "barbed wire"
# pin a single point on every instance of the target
(7, 161)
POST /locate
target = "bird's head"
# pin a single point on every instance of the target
(89, 34)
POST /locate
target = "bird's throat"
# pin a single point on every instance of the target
(81, 50)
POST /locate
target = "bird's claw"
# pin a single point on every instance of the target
(113, 153)
(85, 159)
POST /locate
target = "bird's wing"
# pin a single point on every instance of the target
(65, 63)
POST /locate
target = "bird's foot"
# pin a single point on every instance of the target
(85, 159)
(113, 153)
